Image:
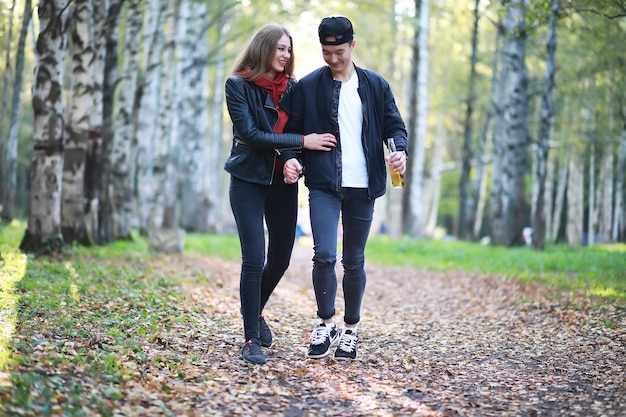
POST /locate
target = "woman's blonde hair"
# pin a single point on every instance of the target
(260, 51)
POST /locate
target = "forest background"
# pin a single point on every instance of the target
(113, 114)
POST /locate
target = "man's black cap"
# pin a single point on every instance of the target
(335, 30)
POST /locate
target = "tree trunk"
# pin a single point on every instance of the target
(549, 196)
(43, 233)
(559, 200)
(4, 97)
(10, 169)
(465, 222)
(575, 199)
(214, 169)
(538, 217)
(413, 201)
(618, 213)
(435, 178)
(591, 217)
(604, 208)
(105, 208)
(149, 105)
(77, 129)
(193, 116)
(507, 222)
(163, 202)
(120, 183)
(93, 158)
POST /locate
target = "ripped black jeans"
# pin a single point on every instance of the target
(356, 211)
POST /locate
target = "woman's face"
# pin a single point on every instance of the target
(282, 55)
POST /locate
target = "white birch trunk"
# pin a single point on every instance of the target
(435, 179)
(80, 107)
(215, 171)
(604, 208)
(559, 199)
(163, 200)
(507, 223)
(43, 233)
(418, 152)
(618, 212)
(575, 200)
(120, 184)
(538, 212)
(194, 113)
(94, 159)
(591, 217)
(144, 138)
(549, 196)
(10, 167)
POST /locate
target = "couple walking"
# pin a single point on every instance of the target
(329, 127)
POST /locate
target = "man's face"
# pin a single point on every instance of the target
(338, 57)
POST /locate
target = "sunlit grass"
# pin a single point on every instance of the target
(12, 270)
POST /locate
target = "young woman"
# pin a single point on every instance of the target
(259, 194)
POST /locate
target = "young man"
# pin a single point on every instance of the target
(358, 107)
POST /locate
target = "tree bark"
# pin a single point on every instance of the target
(507, 220)
(538, 217)
(120, 159)
(10, 168)
(575, 198)
(619, 227)
(73, 202)
(465, 222)
(105, 208)
(4, 97)
(43, 233)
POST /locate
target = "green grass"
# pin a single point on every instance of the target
(598, 270)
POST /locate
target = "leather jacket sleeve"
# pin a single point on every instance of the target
(252, 124)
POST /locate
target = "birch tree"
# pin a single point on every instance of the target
(508, 203)
(465, 203)
(619, 214)
(193, 116)
(538, 212)
(412, 201)
(143, 139)
(10, 172)
(4, 97)
(77, 128)
(109, 81)
(43, 233)
(575, 199)
(119, 189)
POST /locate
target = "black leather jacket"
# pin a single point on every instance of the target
(313, 108)
(255, 146)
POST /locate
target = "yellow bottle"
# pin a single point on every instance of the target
(397, 179)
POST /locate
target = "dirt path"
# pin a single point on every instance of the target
(432, 344)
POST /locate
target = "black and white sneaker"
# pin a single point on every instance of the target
(323, 337)
(251, 352)
(347, 345)
(265, 334)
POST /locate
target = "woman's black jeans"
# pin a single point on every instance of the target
(251, 204)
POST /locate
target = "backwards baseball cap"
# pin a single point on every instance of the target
(335, 30)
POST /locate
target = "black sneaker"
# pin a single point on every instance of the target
(347, 346)
(251, 352)
(323, 337)
(265, 334)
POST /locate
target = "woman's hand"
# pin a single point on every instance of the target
(292, 170)
(319, 142)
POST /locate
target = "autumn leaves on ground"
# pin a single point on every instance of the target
(162, 338)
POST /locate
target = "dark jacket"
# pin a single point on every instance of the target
(255, 146)
(313, 107)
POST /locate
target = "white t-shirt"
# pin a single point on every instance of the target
(354, 168)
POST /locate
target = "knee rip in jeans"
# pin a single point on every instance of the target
(352, 267)
(324, 262)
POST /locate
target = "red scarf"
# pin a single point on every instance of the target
(275, 88)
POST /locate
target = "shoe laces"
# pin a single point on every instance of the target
(348, 342)
(320, 334)
(253, 348)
